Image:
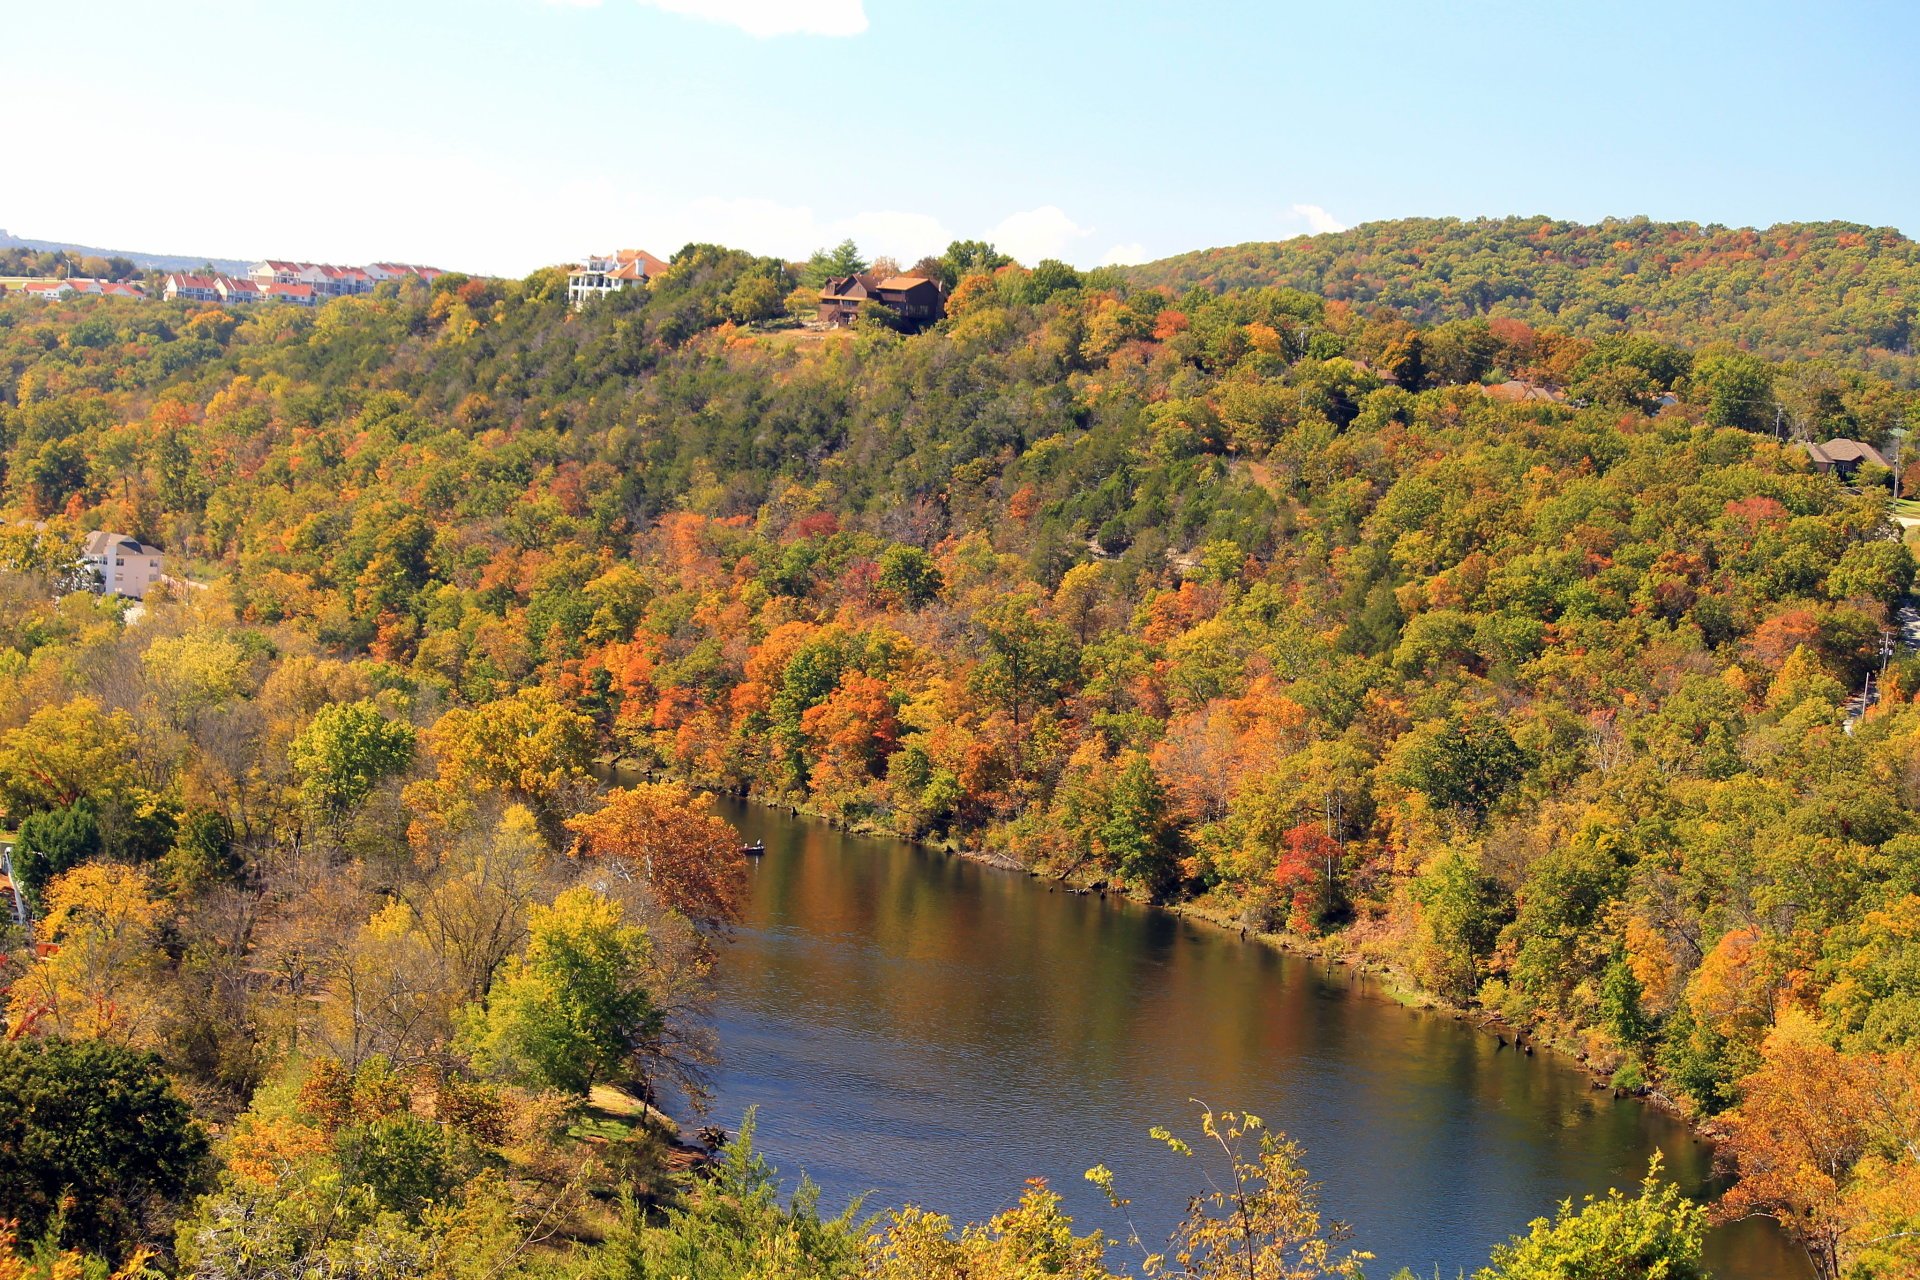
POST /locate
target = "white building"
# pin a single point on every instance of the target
(329, 281)
(601, 275)
(122, 566)
(234, 291)
(191, 287)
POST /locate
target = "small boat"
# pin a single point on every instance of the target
(755, 849)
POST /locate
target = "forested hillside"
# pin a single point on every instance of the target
(1796, 290)
(1268, 604)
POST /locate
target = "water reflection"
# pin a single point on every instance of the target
(922, 1029)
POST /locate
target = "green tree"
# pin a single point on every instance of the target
(910, 574)
(203, 852)
(1464, 763)
(732, 1226)
(92, 1134)
(574, 1010)
(347, 750)
(1135, 835)
(756, 298)
(406, 1162)
(827, 264)
(1461, 912)
(1881, 571)
(969, 257)
(1029, 659)
(1657, 1235)
(53, 841)
(1736, 388)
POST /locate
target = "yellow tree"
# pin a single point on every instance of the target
(530, 746)
(687, 853)
(474, 913)
(1260, 1221)
(1035, 1238)
(65, 752)
(97, 975)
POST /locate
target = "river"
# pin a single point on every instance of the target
(918, 1028)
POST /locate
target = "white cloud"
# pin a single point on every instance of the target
(765, 18)
(1125, 255)
(1318, 220)
(1046, 232)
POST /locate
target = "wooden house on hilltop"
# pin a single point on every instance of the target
(915, 299)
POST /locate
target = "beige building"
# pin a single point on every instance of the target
(122, 566)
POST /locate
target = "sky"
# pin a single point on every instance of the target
(499, 136)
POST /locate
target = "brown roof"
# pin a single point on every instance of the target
(903, 282)
(843, 286)
(1844, 450)
(1516, 390)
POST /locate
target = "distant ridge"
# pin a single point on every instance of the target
(157, 261)
(1838, 290)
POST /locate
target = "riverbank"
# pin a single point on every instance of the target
(1378, 974)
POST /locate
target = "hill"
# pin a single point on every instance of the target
(156, 261)
(1250, 603)
(1823, 289)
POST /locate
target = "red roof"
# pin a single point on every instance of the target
(652, 265)
(281, 289)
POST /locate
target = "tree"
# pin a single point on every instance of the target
(757, 298)
(731, 1225)
(530, 745)
(98, 977)
(65, 752)
(964, 258)
(1880, 571)
(54, 841)
(1657, 1235)
(1260, 1220)
(827, 264)
(689, 856)
(196, 673)
(910, 575)
(42, 1263)
(94, 1134)
(1034, 1238)
(1029, 659)
(1135, 835)
(1461, 912)
(347, 750)
(1737, 389)
(1464, 763)
(1816, 1134)
(574, 1009)
(473, 916)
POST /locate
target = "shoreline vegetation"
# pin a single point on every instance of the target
(1397, 985)
(1514, 638)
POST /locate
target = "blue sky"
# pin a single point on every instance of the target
(500, 135)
